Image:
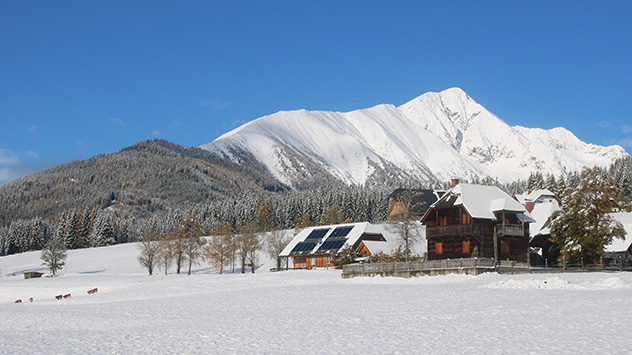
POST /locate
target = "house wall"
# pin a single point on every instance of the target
(480, 243)
(312, 261)
(363, 251)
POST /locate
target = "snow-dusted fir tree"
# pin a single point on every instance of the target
(37, 231)
(4, 241)
(54, 255)
(583, 227)
(102, 232)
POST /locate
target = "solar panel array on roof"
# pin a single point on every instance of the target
(303, 246)
(340, 232)
(317, 234)
(332, 244)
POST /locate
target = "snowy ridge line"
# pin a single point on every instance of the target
(433, 137)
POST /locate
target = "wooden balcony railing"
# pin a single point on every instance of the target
(510, 229)
(459, 229)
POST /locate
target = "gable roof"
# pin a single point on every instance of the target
(481, 201)
(534, 195)
(541, 213)
(375, 246)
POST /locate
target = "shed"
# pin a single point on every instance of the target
(33, 275)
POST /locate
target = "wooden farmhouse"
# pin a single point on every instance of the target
(477, 221)
(316, 246)
(411, 203)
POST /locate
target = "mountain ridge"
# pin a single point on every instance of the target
(431, 138)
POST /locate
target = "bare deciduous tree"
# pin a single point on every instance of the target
(219, 249)
(410, 233)
(276, 241)
(149, 247)
(248, 245)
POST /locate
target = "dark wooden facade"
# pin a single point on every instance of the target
(452, 233)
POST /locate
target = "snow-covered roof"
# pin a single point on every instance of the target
(327, 239)
(534, 195)
(481, 201)
(541, 213)
(385, 247)
(617, 244)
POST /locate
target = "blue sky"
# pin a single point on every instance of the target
(81, 78)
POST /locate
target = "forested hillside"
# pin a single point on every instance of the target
(146, 177)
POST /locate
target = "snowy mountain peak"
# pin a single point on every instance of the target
(433, 137)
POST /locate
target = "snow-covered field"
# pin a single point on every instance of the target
(311, 311)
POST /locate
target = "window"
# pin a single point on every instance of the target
(466, 247)
(439, 247)
(313, 261)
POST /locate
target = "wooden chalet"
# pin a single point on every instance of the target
(477, 221)
(316, 246)
(407, 203)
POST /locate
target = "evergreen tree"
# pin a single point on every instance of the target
(332, 215)
(103, 232)
(583, 227)
(54, 255)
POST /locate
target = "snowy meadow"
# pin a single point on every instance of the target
(297, 311)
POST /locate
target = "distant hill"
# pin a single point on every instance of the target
(432, 138)
(148, 176)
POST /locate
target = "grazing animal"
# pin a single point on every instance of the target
(67, 296)
(31, 299)
(18, 301)
(59, 297)
(94, 290)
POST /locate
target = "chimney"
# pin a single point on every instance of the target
(454, 182)
(529, 205)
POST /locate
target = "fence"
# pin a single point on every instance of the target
(468, 266)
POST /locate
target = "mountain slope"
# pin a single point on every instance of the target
(147, 176)
(434, 137)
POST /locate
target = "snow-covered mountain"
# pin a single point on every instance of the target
(434, 137)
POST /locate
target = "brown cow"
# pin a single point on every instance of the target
(18, 301)
(94, 290)
(59, 297)
(31, 299)
(67, 296)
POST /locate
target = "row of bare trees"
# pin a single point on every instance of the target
(226, 248)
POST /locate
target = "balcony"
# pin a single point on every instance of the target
(515, 230)
(454, 230)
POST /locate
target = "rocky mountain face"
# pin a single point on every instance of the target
(432, 138)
